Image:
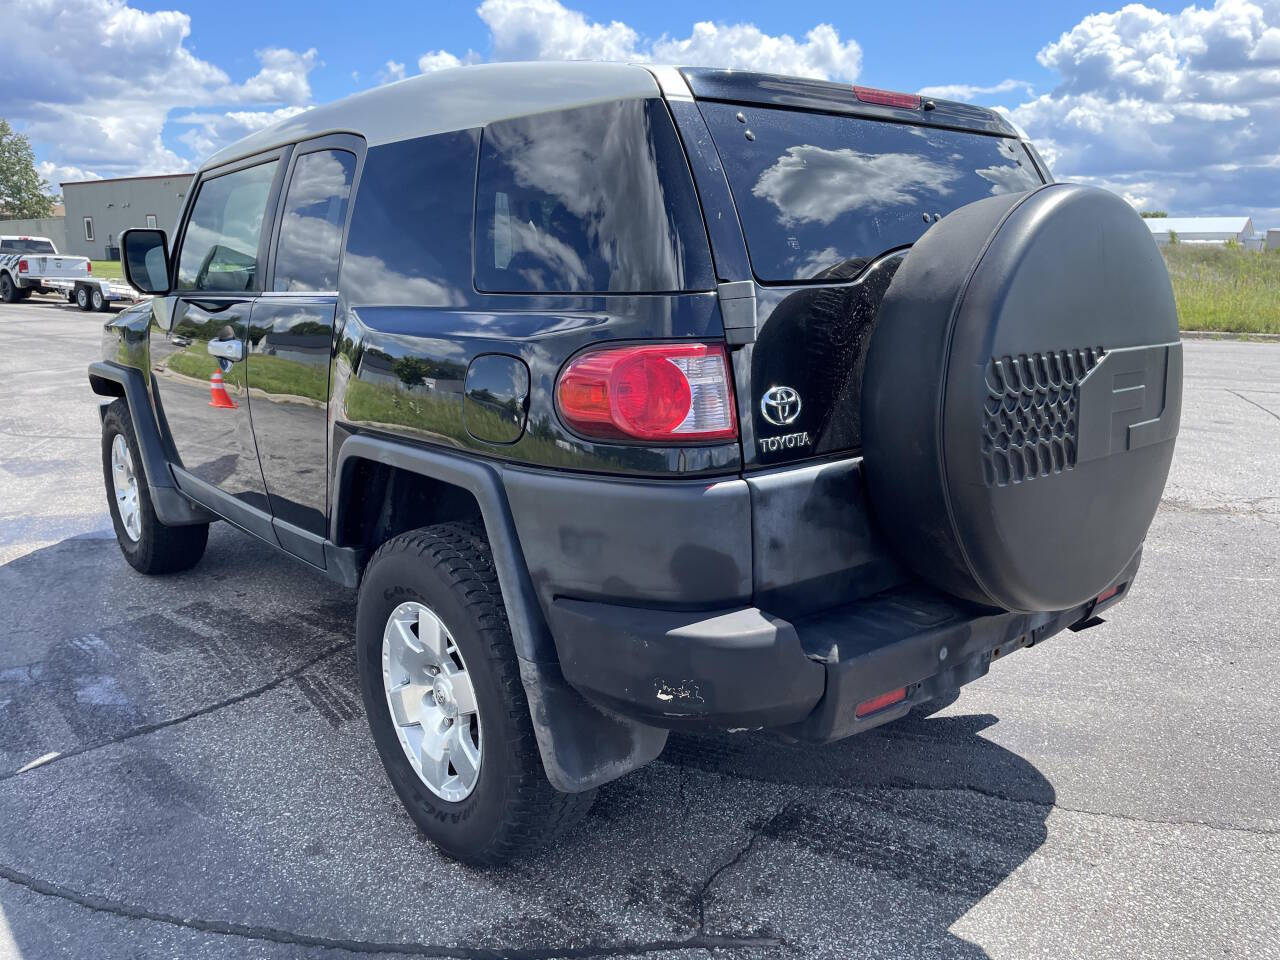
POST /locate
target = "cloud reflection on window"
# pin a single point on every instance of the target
(595, 199)
(811, 184)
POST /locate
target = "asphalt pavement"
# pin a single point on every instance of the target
(185, 769)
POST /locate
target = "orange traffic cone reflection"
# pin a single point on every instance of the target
(218, 396)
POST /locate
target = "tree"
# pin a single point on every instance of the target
(1154, 214)
(23, 193)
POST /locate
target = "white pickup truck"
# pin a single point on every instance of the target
(33, 265)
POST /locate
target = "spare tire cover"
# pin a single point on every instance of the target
(1022, 394)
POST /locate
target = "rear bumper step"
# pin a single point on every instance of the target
(745, 668)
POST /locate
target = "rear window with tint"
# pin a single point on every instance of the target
(26, 245)
(597, 199)
(820, 195)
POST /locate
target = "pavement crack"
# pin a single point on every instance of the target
(1266, 410)
(147, 728)
(754, 834)
(270, 934)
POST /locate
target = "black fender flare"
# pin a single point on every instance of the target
(582, 746)
(173, 509)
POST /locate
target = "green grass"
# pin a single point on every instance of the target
(108, 269)
(1225, 289)
(272, 374)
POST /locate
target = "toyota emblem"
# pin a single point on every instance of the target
(780, 405)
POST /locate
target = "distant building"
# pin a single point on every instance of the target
(1202, 229)
(1273, 238)
(52, 228)
(98, 211)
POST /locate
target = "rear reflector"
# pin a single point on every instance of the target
(1110, 592)
(868, 707)
(673, 392)
(887, 98)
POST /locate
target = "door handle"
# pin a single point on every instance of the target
(232, 350)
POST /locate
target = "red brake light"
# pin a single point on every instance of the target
(22, 266)
(868, 707)
(675, 392)
(887, 98)
(88, 266)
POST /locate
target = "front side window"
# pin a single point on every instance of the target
(220, 248)
(821, 195)
(315, 212)
(151, 220)
(597, 199)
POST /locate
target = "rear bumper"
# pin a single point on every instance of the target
(744, 668)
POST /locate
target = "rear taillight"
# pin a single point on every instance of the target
(887, 98)
(22, 266)
(675, 392)
(88, 266)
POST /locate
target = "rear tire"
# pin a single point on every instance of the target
(8, 292)
(99, 303)
(147, 544)
(82, 298)
(509, 807)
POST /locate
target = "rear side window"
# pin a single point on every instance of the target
(597, 199)
(820, 196)
(408, 239)
(220, 247)
(315, 211)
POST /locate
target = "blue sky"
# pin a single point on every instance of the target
(1174, 106)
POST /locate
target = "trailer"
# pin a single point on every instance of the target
(33, 265)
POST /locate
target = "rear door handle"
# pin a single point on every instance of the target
(232, 350)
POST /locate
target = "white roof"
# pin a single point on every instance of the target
(1224, 225)
(454, 99)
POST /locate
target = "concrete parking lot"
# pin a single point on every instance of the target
(185, 770)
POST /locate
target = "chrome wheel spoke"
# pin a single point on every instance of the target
(406, 703)
(434, 760)
(432, 636)
(464, 694)
(407, 652)
(464, 754)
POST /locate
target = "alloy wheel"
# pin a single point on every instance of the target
(432, 701)
(124, 480)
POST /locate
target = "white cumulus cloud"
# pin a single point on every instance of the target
(1179, 111)
(548, 30)
(93, 83)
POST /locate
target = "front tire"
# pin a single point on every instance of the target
(98, 301)
(147, 544)
(431, 608)
(82, 298)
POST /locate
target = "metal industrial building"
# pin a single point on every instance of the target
(98, 211)
(1199, 229)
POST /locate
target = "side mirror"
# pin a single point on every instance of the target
(145, 252)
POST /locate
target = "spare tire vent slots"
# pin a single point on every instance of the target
(1030, 419)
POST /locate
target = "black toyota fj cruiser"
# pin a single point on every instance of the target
(636, 399)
